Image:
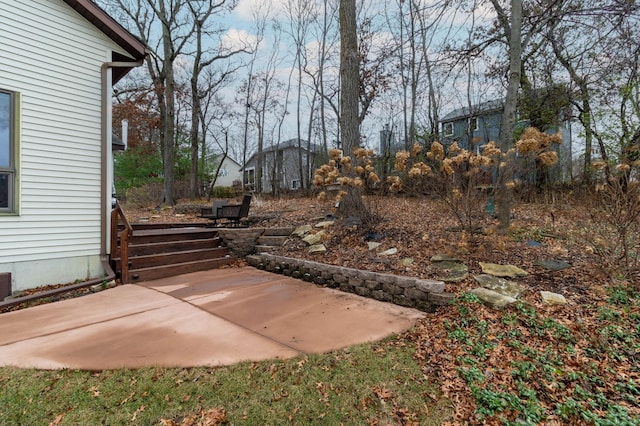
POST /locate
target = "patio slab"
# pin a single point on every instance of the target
(208, 318)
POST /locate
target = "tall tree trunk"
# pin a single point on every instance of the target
(351, 204)
(349, 77)
(195, 115)
(308, 164)
(503, 193)
(299, 121)
(323, 119)
(169, 118)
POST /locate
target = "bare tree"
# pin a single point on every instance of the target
(165, 28)
(351, 203)
(201, 14)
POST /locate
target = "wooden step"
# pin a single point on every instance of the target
(160, 225)
(146, 261)
(172, 246)
(165, 235)
(155, 272)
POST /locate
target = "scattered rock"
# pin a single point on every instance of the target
(302, 230)
(179, 215)
(533, 243)
(500, 285)
(103, 286)
(390, 252)
(317, 248)
(553, 298)
(407, 261)
(373, 245)
(493, 298)
(325, 224)
(444, 258)
(453, 272)
(553, 264)
(502, 270)
(313, 239)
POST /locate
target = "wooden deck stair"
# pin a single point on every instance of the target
(156, 251)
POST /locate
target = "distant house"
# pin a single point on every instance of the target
(281, 165)
(229, 173)
(472, 127)
(58, 62)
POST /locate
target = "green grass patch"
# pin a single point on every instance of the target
(364, 384)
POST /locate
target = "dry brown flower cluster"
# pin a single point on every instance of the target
(357, 171)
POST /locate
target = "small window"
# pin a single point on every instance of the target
(447, 129)
(295, 184)
(8, 133)
(473, 124)
(223, 172)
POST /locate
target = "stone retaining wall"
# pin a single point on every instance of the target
(241, 241)
(401, 290)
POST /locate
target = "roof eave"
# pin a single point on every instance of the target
(105, 23)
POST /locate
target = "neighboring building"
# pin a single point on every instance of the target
(281, 165)
(58, 62)
(229, 173)
(472, 127)
(389, 144)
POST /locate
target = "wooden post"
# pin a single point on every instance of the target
(5, 285)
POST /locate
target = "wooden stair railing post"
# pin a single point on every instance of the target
(114, 233)
(123, 253)
(124, 257)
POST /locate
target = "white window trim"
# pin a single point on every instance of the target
(475, 128)
(12, 170)
(445, 126)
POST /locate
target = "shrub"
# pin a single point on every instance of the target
(464, 180)
(224, 192)
(349, 177)
(615, 213)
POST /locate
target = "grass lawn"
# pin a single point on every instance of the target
(378, 383)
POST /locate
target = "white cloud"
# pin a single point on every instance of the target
(248, 9)
(235, 39)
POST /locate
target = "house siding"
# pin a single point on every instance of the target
(286, 154)
(233, 173)
(52, 56)
(488, 129)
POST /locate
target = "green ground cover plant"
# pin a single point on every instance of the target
(527, 366)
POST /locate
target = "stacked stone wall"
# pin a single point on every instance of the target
(401, 290)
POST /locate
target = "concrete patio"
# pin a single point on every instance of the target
(209, 318)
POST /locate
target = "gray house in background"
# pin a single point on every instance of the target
(281, 166)
(473, 127)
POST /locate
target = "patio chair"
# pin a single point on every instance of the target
(213, 212)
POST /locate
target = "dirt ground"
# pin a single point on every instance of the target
(422, 228)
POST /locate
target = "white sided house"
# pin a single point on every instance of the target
(58, 62)
(230, 173)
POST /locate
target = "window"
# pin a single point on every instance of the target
(473, 124)
(223, 172)
(8, 131)
(295, 184)
(447, 129)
